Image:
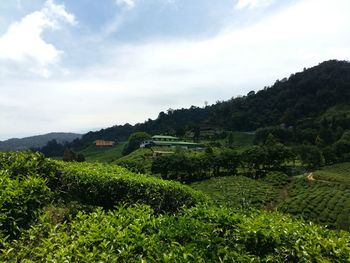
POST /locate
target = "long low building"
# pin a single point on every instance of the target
(186, 145)
(169, 141)
(165, 138)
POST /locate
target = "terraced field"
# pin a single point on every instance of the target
(239, 191)
(339, 173)
(325, 200)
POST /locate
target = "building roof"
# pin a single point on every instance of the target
(164, 137)
(176, 143)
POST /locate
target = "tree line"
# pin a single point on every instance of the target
(255, 161)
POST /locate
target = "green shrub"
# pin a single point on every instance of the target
(23, 164)
(277, 179)
(108, 185)
(20, 201)
(200, 234)
(139, 161)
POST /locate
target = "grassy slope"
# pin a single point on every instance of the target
(107, 155)
(139, 161)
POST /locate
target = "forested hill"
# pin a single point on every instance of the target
(36, 141)
(301, 96)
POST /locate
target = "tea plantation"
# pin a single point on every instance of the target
(68, 212)
(325, 200)
(238, 191)
(339, 173)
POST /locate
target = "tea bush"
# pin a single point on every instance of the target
(23, 164)
(98, 184)
(20, 201)
(277, 179)
(200, 234)
(107, 185)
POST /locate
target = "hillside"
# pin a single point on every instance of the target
(303, 95)
(301, 98)
(106, 155)
(70, 212)
(322, 196)
(38, 141)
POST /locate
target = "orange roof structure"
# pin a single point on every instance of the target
(103, 143)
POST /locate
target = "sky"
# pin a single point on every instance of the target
(80, 65)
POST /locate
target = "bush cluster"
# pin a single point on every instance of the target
(29, 182)
(201, 234)
(23, 164)
(277, 179)
(24, 191)
(107, 185)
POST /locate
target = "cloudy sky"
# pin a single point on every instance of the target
(75, 65)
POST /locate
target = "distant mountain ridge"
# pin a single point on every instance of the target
(37, 141)
(301, 97)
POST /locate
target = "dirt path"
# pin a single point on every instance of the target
(310, 177)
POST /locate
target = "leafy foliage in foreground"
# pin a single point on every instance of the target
(29, 182)
(201, 234)
(20, 165)
(20, 201)
(25, 181)
(107, 185)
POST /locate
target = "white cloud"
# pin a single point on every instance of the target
(23, 45)
(253, 3)
(127, 3)
(133, 82)
(235, 60)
